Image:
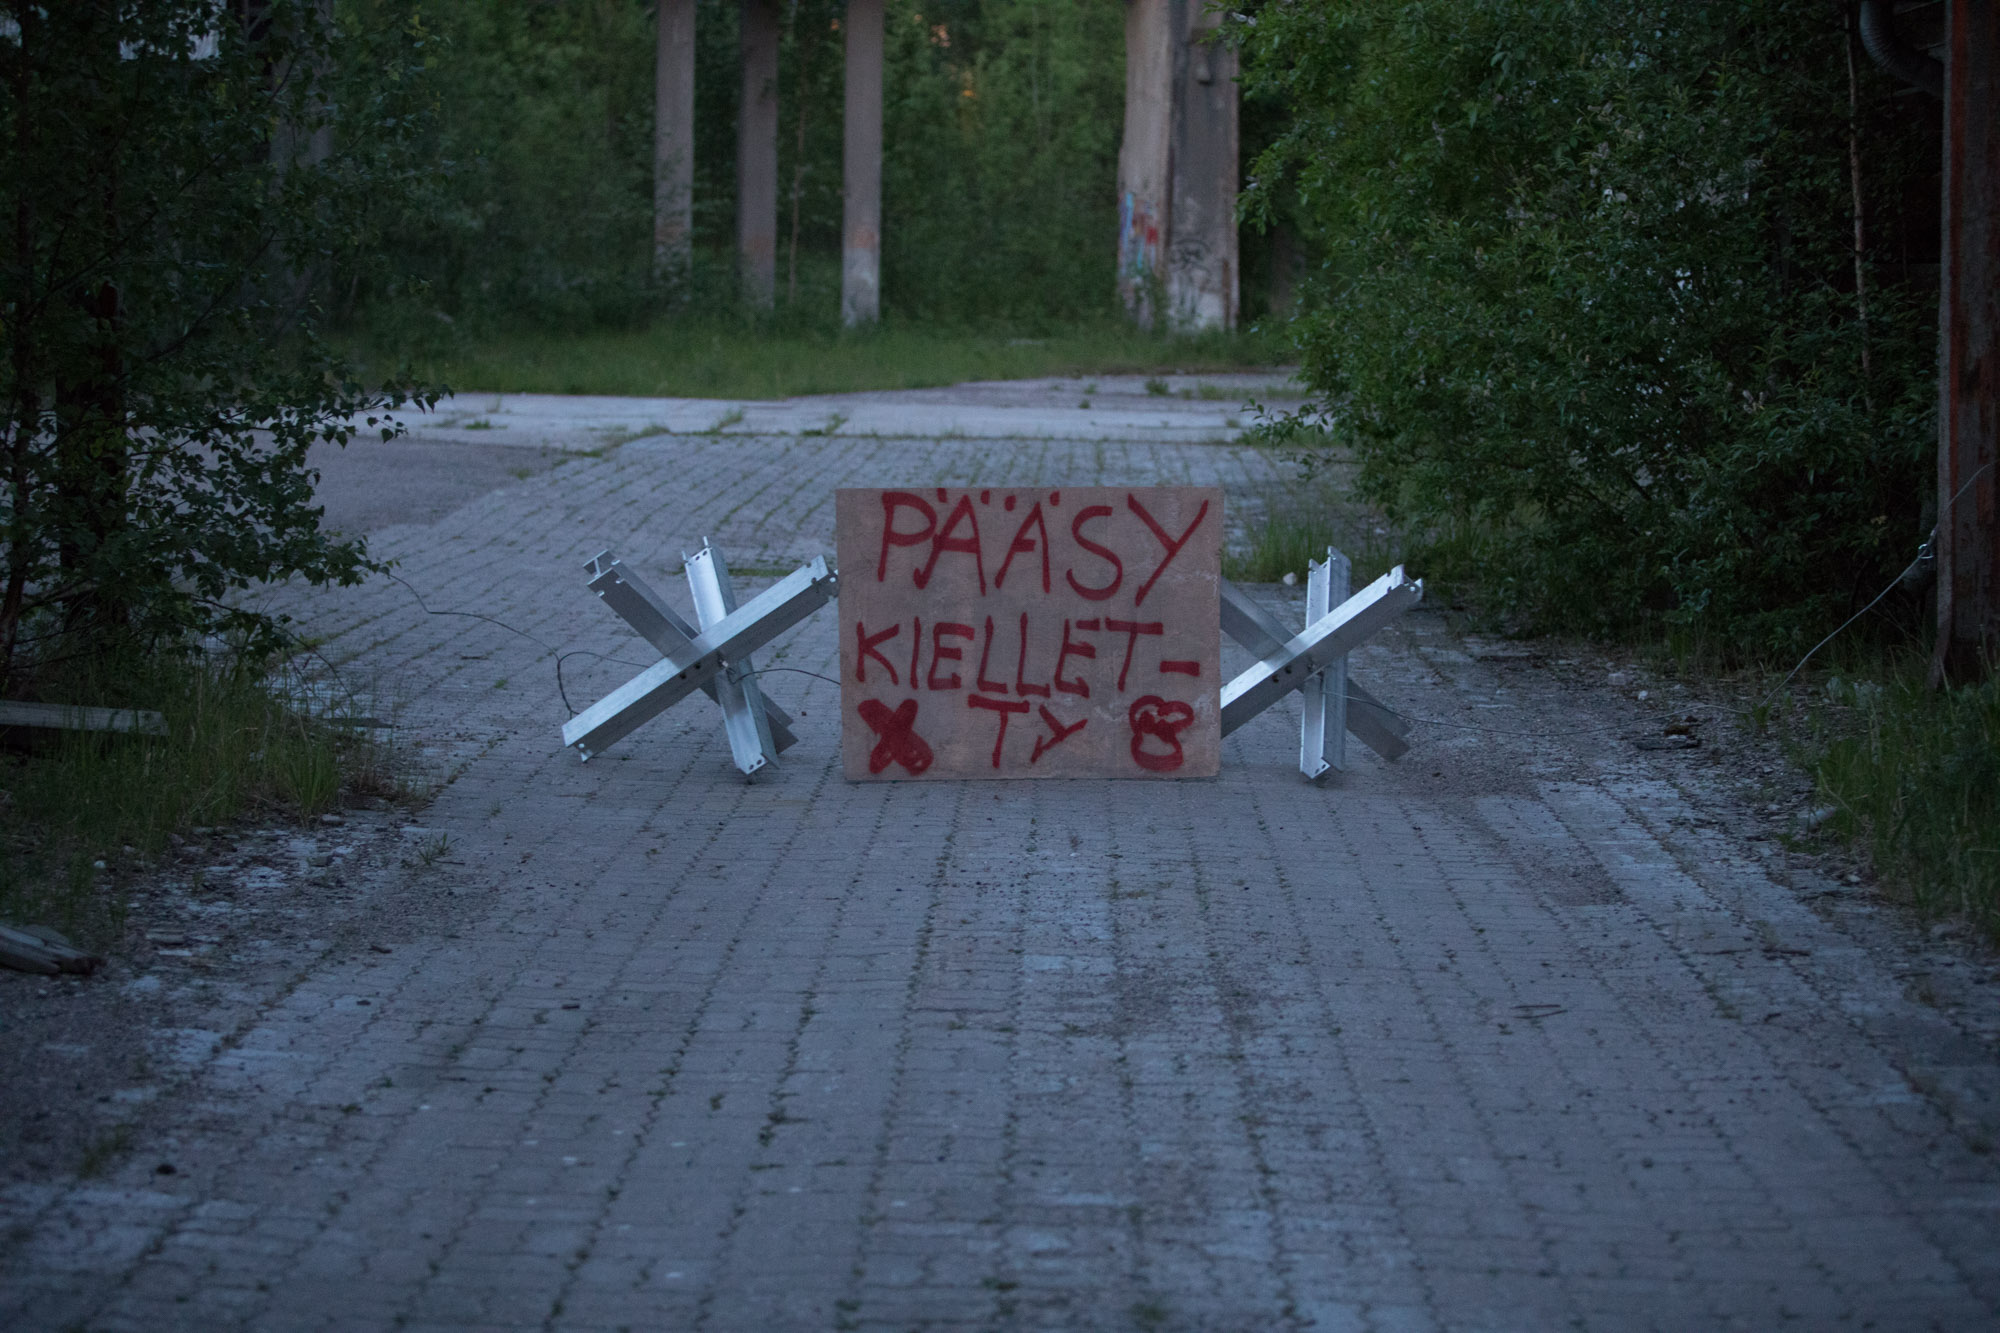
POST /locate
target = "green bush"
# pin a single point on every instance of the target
(1000, 199)
(1588, 316)
(177, 182)
(539, 134)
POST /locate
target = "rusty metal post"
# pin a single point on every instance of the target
(861, 168)
(1968, 533)
(673, 140)
(757, 153)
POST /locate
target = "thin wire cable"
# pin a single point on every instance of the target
(561, 656)
(1873, 602)
(1943, 516)
(469, 615)
(797, 671)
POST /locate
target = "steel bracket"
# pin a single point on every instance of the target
(715, 659)
(1315, 663)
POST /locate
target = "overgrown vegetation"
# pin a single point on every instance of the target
(177, 180)
(1597, 318)
(1627, 319)
(999, 199)
(80, 810)
(1913, 776)
(182, 180)
(722, 360)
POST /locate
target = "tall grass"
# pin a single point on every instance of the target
(78, 809)
(1283, 544)
(740, 358)
(1913, 776)
(1299, 521)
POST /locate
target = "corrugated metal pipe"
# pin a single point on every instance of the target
(1887, 48)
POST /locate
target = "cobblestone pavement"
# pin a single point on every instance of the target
(1515, 1034)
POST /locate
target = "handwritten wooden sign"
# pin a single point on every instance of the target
(1027, 633)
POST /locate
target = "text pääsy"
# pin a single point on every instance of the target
(1030, 632)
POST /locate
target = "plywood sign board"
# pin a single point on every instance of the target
(1023, 632)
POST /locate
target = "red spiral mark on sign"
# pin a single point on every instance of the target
(1164, 720)
(899, 742)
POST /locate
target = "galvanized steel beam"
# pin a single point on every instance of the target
(736, 686)
(1323, 719)
(659, 624)
(1288, 665)
(730, 640)
(1372, 722)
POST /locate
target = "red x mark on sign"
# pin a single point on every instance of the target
(899, 741)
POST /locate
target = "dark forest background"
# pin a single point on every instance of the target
(1002, 116)
(1622, 312)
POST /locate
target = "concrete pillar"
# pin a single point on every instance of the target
(1968, 536)
(757, 153)
(1145, 157)
(1201, 248)
(861, 168)
(1177, 168)
(673, 140)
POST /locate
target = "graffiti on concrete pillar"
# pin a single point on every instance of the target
(1198, 289)
(1138, 239)
(1140, 242)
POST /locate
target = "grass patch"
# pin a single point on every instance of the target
(1297, 526)
(1282, 544)
(79, 811)
(683, 358)
(1913, 776)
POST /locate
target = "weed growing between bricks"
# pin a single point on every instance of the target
(80, 811)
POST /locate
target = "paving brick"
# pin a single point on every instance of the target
(1248, 1053)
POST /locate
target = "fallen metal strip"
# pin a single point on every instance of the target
(76, 717)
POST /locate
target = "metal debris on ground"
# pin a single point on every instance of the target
(75, 717)
(42, 950)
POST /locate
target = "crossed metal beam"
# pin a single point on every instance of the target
(1314, 662)
(714, 659)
